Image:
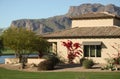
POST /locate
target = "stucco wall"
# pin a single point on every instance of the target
(106, 48)
(34, 61)
(29, 60)
(92, 23)
(11, 60)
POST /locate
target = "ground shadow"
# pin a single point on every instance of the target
(63, 66)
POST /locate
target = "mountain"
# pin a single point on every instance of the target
(44, 25)
(88, 8)
(62, 21)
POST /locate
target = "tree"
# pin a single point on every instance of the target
(41, 46)
(23, 41)
(17, 39)
(1, 45)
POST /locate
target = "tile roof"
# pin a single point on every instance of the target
(94, 15)
(86, 32)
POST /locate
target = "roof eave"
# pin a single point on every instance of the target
(80, 18)
(60, 37)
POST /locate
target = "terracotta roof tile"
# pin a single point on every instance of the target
(94, 15)
(111, 31)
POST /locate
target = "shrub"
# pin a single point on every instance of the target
(52, 58)
(110, 64)
(51, 61)
(46, 65)
(81, 60)
(88, 64)
(117, 61)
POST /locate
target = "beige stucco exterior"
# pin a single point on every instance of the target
(106, 52)
(35, 61)
(94, 22)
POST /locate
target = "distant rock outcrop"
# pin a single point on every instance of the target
(88, 8)
(43, 25)
(62, 22)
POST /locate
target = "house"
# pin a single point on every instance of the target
(98, 33)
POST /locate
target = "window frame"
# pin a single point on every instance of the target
(95, 48)
(52, 48)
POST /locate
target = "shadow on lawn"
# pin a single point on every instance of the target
(63, 66)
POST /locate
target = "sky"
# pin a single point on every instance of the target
(37, 9)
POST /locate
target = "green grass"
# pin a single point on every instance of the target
(12, 52)
(13, 74)
(8, 52)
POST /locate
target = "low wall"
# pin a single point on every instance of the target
(11, 60)
(34, 60)
(29, 60)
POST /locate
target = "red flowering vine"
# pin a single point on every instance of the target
(73, 50)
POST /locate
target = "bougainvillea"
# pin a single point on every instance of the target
(74, 50)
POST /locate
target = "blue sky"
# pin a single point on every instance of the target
(36, 9)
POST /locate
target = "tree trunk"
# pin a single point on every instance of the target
(40, 54)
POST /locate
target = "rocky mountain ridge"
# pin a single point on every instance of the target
(88, 8)
(60, 22)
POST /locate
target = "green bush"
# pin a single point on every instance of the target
(81, 60)
(117, 60)
(46, 65)
(88, 64)
(51, 61)
(52, 58)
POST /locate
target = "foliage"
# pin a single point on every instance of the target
(23, 41)
(52, 57)
(81, 60)
(110, 64)
(113, 60)
(1, 46)
(18, 39)
(41, 46)
(49, 63)
(73, 50)
(88, 64)
(46, 65)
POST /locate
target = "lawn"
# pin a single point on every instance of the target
(8, 52)
(13, 74)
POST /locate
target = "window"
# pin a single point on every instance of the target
(98, 53)
(86, 49)
(53, 47)
(92, 50)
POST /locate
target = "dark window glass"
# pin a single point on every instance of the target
(86, 51)
(92, 51)
(98, 52)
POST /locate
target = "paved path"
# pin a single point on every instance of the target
(59, 68)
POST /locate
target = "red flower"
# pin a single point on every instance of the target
(76, 45)
(72, 50)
